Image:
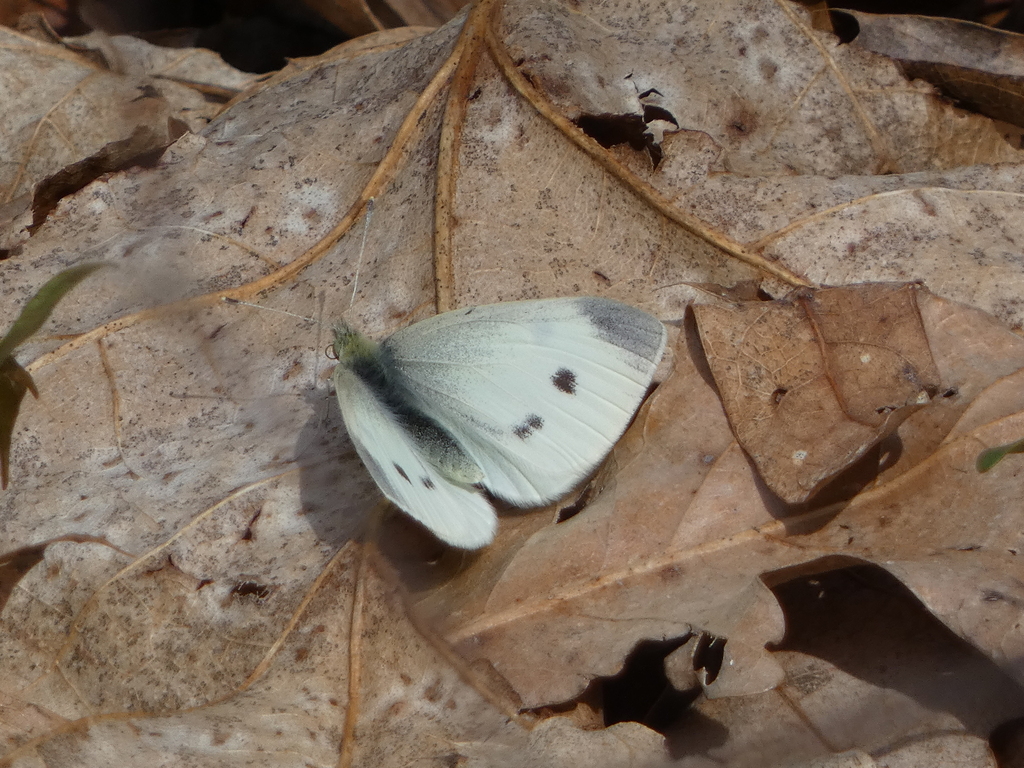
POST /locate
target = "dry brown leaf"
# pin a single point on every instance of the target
(348, 643)
(682, 535)
(851, 685)
(812, 382)
(95, 105)
(357, 17)
(979, 66)
(186, 482)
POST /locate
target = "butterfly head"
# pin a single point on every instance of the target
(350, 345)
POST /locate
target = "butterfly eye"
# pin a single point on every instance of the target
(329, 351)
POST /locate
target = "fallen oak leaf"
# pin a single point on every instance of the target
(192, 413)
(976, 66)
(688, 539)
(812, 381)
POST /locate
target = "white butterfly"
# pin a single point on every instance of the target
(523, 399)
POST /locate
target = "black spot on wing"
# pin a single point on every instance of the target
(427, 483)
(402, 473)
(564, 381)
(530, 424)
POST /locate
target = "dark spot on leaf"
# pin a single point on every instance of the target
(427, 483)
(402, 473)
(247, 535)
(433, 693)
(565, 381)
(778, 394)
(571, 510)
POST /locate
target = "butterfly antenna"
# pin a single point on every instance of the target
(321, 299)
(228, 300)
(362, 247)
(319, 332)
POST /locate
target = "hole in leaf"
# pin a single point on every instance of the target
(251, 589)
(641, 692)
(574, 507)
(610, 130)
(709, 655)
(652, 113)
(845, 26)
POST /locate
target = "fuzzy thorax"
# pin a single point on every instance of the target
(363, 359)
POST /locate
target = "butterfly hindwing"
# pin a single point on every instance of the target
(535, 392)
(456, 514)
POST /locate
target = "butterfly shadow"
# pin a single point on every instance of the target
(337, 494)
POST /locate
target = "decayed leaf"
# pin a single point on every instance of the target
(852, 686)
(355, 18)
(43, 130)
(812, 382)
(977, 65)
(190, 448)
(346, 640)
(681, 537)
(183, 76)
(848, 673)
(76, 110)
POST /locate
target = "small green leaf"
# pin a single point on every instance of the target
(14, 382)
(992, 456)
(40, 306)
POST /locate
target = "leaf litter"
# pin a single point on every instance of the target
(216, 600)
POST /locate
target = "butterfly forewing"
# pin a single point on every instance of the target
(536, 392)
(456, 514)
